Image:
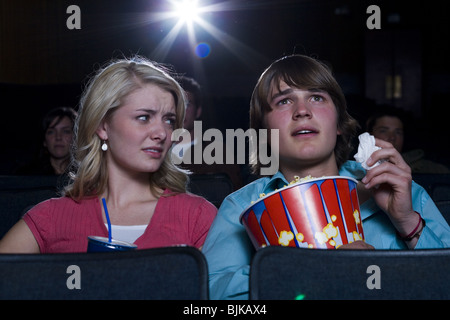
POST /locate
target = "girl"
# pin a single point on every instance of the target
(123, 137)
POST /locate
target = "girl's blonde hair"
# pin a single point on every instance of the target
(104, 94)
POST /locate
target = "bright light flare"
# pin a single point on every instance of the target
(188, 14)
(187, 10)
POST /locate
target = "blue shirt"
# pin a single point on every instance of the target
(229, 250)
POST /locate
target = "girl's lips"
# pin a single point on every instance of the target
(154, 151)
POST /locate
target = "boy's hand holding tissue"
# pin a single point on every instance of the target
(389, 178)
(365, 149)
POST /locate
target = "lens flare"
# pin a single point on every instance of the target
(195, 17)
(187, 10)
(202, 50)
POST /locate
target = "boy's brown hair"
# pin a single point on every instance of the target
(303, 72)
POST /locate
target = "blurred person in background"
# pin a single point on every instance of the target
(388, 124)
(54, 154)
(185, 149)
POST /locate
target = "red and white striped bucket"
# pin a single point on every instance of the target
(317, 213)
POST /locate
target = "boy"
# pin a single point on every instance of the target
(298, 96)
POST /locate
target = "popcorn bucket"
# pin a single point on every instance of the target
(318, 213)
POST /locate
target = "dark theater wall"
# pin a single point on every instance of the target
(44, 64)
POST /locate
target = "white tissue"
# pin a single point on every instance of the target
(365, 149)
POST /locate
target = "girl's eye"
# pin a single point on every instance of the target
(170, 121)
(143, 117)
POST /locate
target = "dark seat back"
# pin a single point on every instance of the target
(172, 273)
(213, 187)
(437, 185)
(297, 273)
(444, 208)
(19, 193)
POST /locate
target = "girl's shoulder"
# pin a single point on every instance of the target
(64, 204)
(185, 199)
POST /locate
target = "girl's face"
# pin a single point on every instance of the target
(139, 132)
(307, 123)
(58, 138)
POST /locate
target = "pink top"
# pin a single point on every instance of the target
(63, 225)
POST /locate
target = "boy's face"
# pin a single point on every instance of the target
(307, 122)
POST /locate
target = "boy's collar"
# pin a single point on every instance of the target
(277, 181)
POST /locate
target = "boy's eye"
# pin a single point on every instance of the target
(282, 102)
(317, 98)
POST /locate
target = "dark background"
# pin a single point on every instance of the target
(43, 64)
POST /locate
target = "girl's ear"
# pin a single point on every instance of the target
(101, 131)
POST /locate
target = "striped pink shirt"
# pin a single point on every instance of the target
(63, 225)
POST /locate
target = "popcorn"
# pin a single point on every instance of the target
(300, 238)
(298, 179)
(365, 149)
(285, 238)
(356, 216)
(328, 232)
(356, 236)
(331, 231)
(321, 237)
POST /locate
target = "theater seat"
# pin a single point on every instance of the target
(214, 187)
(444, 208)
(19, 193)
(172, 273)
(437, 185)
(295, 273)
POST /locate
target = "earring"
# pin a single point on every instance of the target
(104, 146)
